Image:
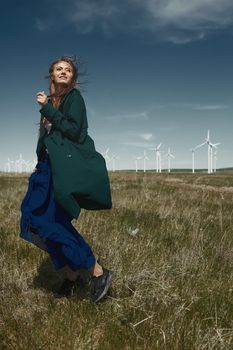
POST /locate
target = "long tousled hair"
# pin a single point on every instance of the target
(56, 92)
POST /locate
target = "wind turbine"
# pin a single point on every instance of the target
(210, 147)
(169, 156)
(193, 156)
(136, 159)
(113, 159)
(7, 167)
(19, 164)
(144, 157)
(215, 160)
(213, 156)
(28, 165)
(158, 157)
(106, 156)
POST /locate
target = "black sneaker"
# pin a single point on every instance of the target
(101, 284)
(66, 289)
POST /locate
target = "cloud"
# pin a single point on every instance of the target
(210, 107)
(88, 15)
(132, 138)
(195, 14)
(146, 137)
(198, 107)
(137, 144)
(140, 115)
(176, 21)
(42, 25)
(169, 128)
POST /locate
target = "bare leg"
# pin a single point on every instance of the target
(96, 270)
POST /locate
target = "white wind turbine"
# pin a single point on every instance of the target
(136, 159)
(113, 159)
(145, 158)
(106, 156)
(215, 160)
(158, 157)
(7, 167)
(210, 147)
(28, 165)
(213, 156)
(169, 156)
(19, 164)
(193, 156)
(193, 161)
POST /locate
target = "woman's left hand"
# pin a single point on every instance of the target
(42, 99)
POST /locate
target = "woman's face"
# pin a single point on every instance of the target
(62, 73)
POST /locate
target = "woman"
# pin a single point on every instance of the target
(69, 175)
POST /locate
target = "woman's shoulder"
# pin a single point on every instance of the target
(75, 93)
(72, 92)
(75, 90)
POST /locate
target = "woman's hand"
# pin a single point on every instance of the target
(46, 123)
(42, 99)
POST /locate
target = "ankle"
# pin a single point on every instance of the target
(97, 274)
(96, 270)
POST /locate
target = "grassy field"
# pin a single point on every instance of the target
(169, 239)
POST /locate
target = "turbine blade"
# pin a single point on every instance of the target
(198, 146)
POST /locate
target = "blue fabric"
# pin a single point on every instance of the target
(45, 223)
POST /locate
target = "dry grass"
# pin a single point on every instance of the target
(169, 240)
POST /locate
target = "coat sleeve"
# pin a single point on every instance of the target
(69, 123)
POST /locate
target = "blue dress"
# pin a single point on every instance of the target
(46, 224)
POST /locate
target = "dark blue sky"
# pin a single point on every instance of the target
(156, 73)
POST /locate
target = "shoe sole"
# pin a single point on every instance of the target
(109, 280)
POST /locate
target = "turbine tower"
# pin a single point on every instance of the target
(19, 164)
(113, 159)
(145, 158)
(213, 156)
(193, 161)
(136, 159)
(28, 165)
(215, 160)
(7, 167)
(157, 157)
(193, 156)
(169, 156)
(106, 156)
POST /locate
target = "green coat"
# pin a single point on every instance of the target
(79, 173)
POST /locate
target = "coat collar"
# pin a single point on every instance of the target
(65, 96)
